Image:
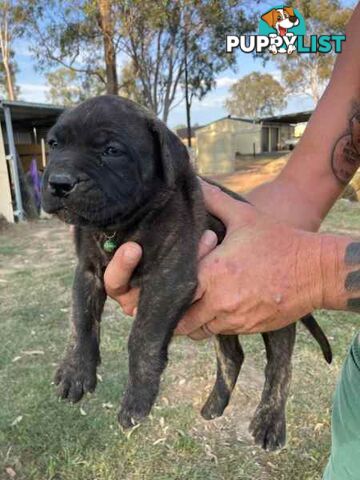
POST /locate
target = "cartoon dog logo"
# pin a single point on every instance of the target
(281, 20)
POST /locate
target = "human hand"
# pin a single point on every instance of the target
(118, 272)
(260, 278)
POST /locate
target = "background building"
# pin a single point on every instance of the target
(220, 144)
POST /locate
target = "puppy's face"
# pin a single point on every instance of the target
(105, 161)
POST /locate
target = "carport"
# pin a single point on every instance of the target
(24, 126)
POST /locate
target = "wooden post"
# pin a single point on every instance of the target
(13, 163)
(6, 208)
(43, 153)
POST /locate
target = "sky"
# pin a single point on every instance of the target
(33, 86)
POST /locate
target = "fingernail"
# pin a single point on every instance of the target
(134, 312)
(131, 254)
(209, 238)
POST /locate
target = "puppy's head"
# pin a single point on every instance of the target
(108, 157)
(283, 17)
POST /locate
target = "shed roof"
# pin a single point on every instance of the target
(228, 117)
(297, 117)
(182, 132)
(35, 114)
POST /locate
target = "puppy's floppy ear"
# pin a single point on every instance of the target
(290, 11)
(270, 17)
(174, 157)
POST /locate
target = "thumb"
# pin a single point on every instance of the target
(224, 207)
(118, 272)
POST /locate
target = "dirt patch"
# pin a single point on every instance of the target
(4, 224)
(193, 387)
(252, 174)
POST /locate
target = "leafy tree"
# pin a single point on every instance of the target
(130, 85)
(169, 38)
(256, 95)
(308, 73)
(80, 36)
(11, 27)
(67, 87)
(161, 40)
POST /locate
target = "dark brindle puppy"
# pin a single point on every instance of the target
(116, 170)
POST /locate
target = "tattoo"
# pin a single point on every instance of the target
(352, 280)
(352, 254)
(345, 157)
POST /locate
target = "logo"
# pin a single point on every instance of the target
(282, 30)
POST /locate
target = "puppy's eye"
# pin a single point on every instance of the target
(111, 151)
(52, 144)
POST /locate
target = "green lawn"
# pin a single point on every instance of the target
(43, 438)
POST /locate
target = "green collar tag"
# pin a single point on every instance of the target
(109, 245)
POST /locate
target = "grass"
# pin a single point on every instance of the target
(42, 438)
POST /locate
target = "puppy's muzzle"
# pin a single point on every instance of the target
(61, 184)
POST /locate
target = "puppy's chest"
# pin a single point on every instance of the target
(107, 245)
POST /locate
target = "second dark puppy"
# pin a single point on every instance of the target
(119, 174)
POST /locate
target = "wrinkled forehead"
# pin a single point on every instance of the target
(98, 122)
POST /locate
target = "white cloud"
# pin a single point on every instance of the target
(276, 74)
(211, 100)
(222, 82)
(33, 92)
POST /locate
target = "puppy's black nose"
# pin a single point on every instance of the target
(61, 184)
(293, 18)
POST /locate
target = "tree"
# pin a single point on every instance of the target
(68, 88)
(80, 36)
(130, 85)
(256, 95)
(106, 23)
(307, 74)
(158, 38)
(173, 39)
(11, 27)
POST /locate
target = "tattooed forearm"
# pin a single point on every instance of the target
(352, 280)
(345, 157)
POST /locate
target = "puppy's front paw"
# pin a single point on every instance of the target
(268, 427)
(75, 377)
(291, 49)
(133, 410)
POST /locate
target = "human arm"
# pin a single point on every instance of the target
(308, 186)
(300, 196)
(266, 274)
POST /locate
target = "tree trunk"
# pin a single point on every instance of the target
(107, 27)
(187, 99)
(5, 54)
(9, 80)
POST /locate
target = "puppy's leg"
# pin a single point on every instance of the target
(268, 426)
(76, 374)
(229, 359)
(162, 303)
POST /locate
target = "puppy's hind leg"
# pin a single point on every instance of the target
(229, 358)
(268, 426)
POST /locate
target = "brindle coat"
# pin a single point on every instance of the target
(116, 170)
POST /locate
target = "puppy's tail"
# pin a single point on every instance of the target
(316, 331)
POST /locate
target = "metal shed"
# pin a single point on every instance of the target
(22, 136)
(222, 143)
